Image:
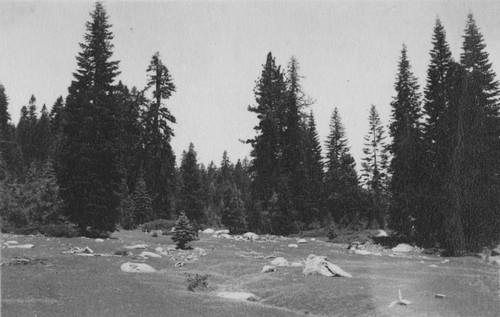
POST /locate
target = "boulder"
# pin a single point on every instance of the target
(302, 241)
(381, 233)
(130, 267)
(280, 261)
(495, 260)
(20, 246)
(99, 240)
(10, 242)
(319, 265)
(495, 251)
(403, 247)
(238, 296)
(200, 251)
(224, 231)
(136, 246)
(148, 254)
(268, 269)
(171, 247)
(209, 231)
(296, 264)
(362, 252)
(293, 245)
(251, 236)
(224, 236)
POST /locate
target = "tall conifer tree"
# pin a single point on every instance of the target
(89, 169)
(406, 150)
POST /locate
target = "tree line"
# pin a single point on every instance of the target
(102, 158)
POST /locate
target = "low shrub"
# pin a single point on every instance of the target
(161, 224)
(60, 230)
(195, 281)
(332, 231)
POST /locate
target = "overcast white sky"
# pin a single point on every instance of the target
(348, 53)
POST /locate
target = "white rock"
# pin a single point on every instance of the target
(495, 260)
(99, 240)
(11, 242)
(238, 296)
(130, 267)
(148, 254)
(222, 231)
(251, 236)
(302, 241)
(293, 245)
(20, 246)
(381, 233)
(224, 236)
(433, 265)
(403, 247)
(136, 246)
(319, 265)
(362, 252)
(268, 269)
(280, 261)
(171, 247)
(296, 264)
(313, 239)
(209, 231)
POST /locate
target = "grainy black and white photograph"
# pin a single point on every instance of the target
(249, 158)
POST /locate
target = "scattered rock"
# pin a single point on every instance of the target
(224, 231)
(148, 254)
(10, 242)
(25, 261)
(171, 247)
(280, 261)
(403, 247)
(209, 231)
(77, 250)
(381, 233)
(251, 236)
(99, 240)
(440, 296)
(130, 267)
(313, 239)
(224, 236)
(302, 241)
(136, 246)
(319, 265)
(238, 296)
(179, 264)
(433, 265)
(445, 261)
(20, 246)
(293, 245)
(268, 269)
(296, 264)
(200, 251)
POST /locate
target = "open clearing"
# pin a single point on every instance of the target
(65, 284)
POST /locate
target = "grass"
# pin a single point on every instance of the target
(71, 285)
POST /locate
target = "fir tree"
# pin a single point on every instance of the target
(143, 210)
(374, 166)
(56, 116)
(341, 180)
(183, 232)
(190, 193)
(406, 149)
(313, 164)
(4, 114)
(436, 138)
(9, 148)
(159, 158)
(43, 137)
(89, 169)
(266, 151)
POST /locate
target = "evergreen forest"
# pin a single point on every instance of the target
(100, 158)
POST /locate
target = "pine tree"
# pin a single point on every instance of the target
(190, 193)
(406, 149)
(9, 148)
(89, 169)
(183, 232)
(341, 179)
(374, 166)
(56, 116)
(159, 158)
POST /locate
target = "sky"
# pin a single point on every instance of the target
(348, 53)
